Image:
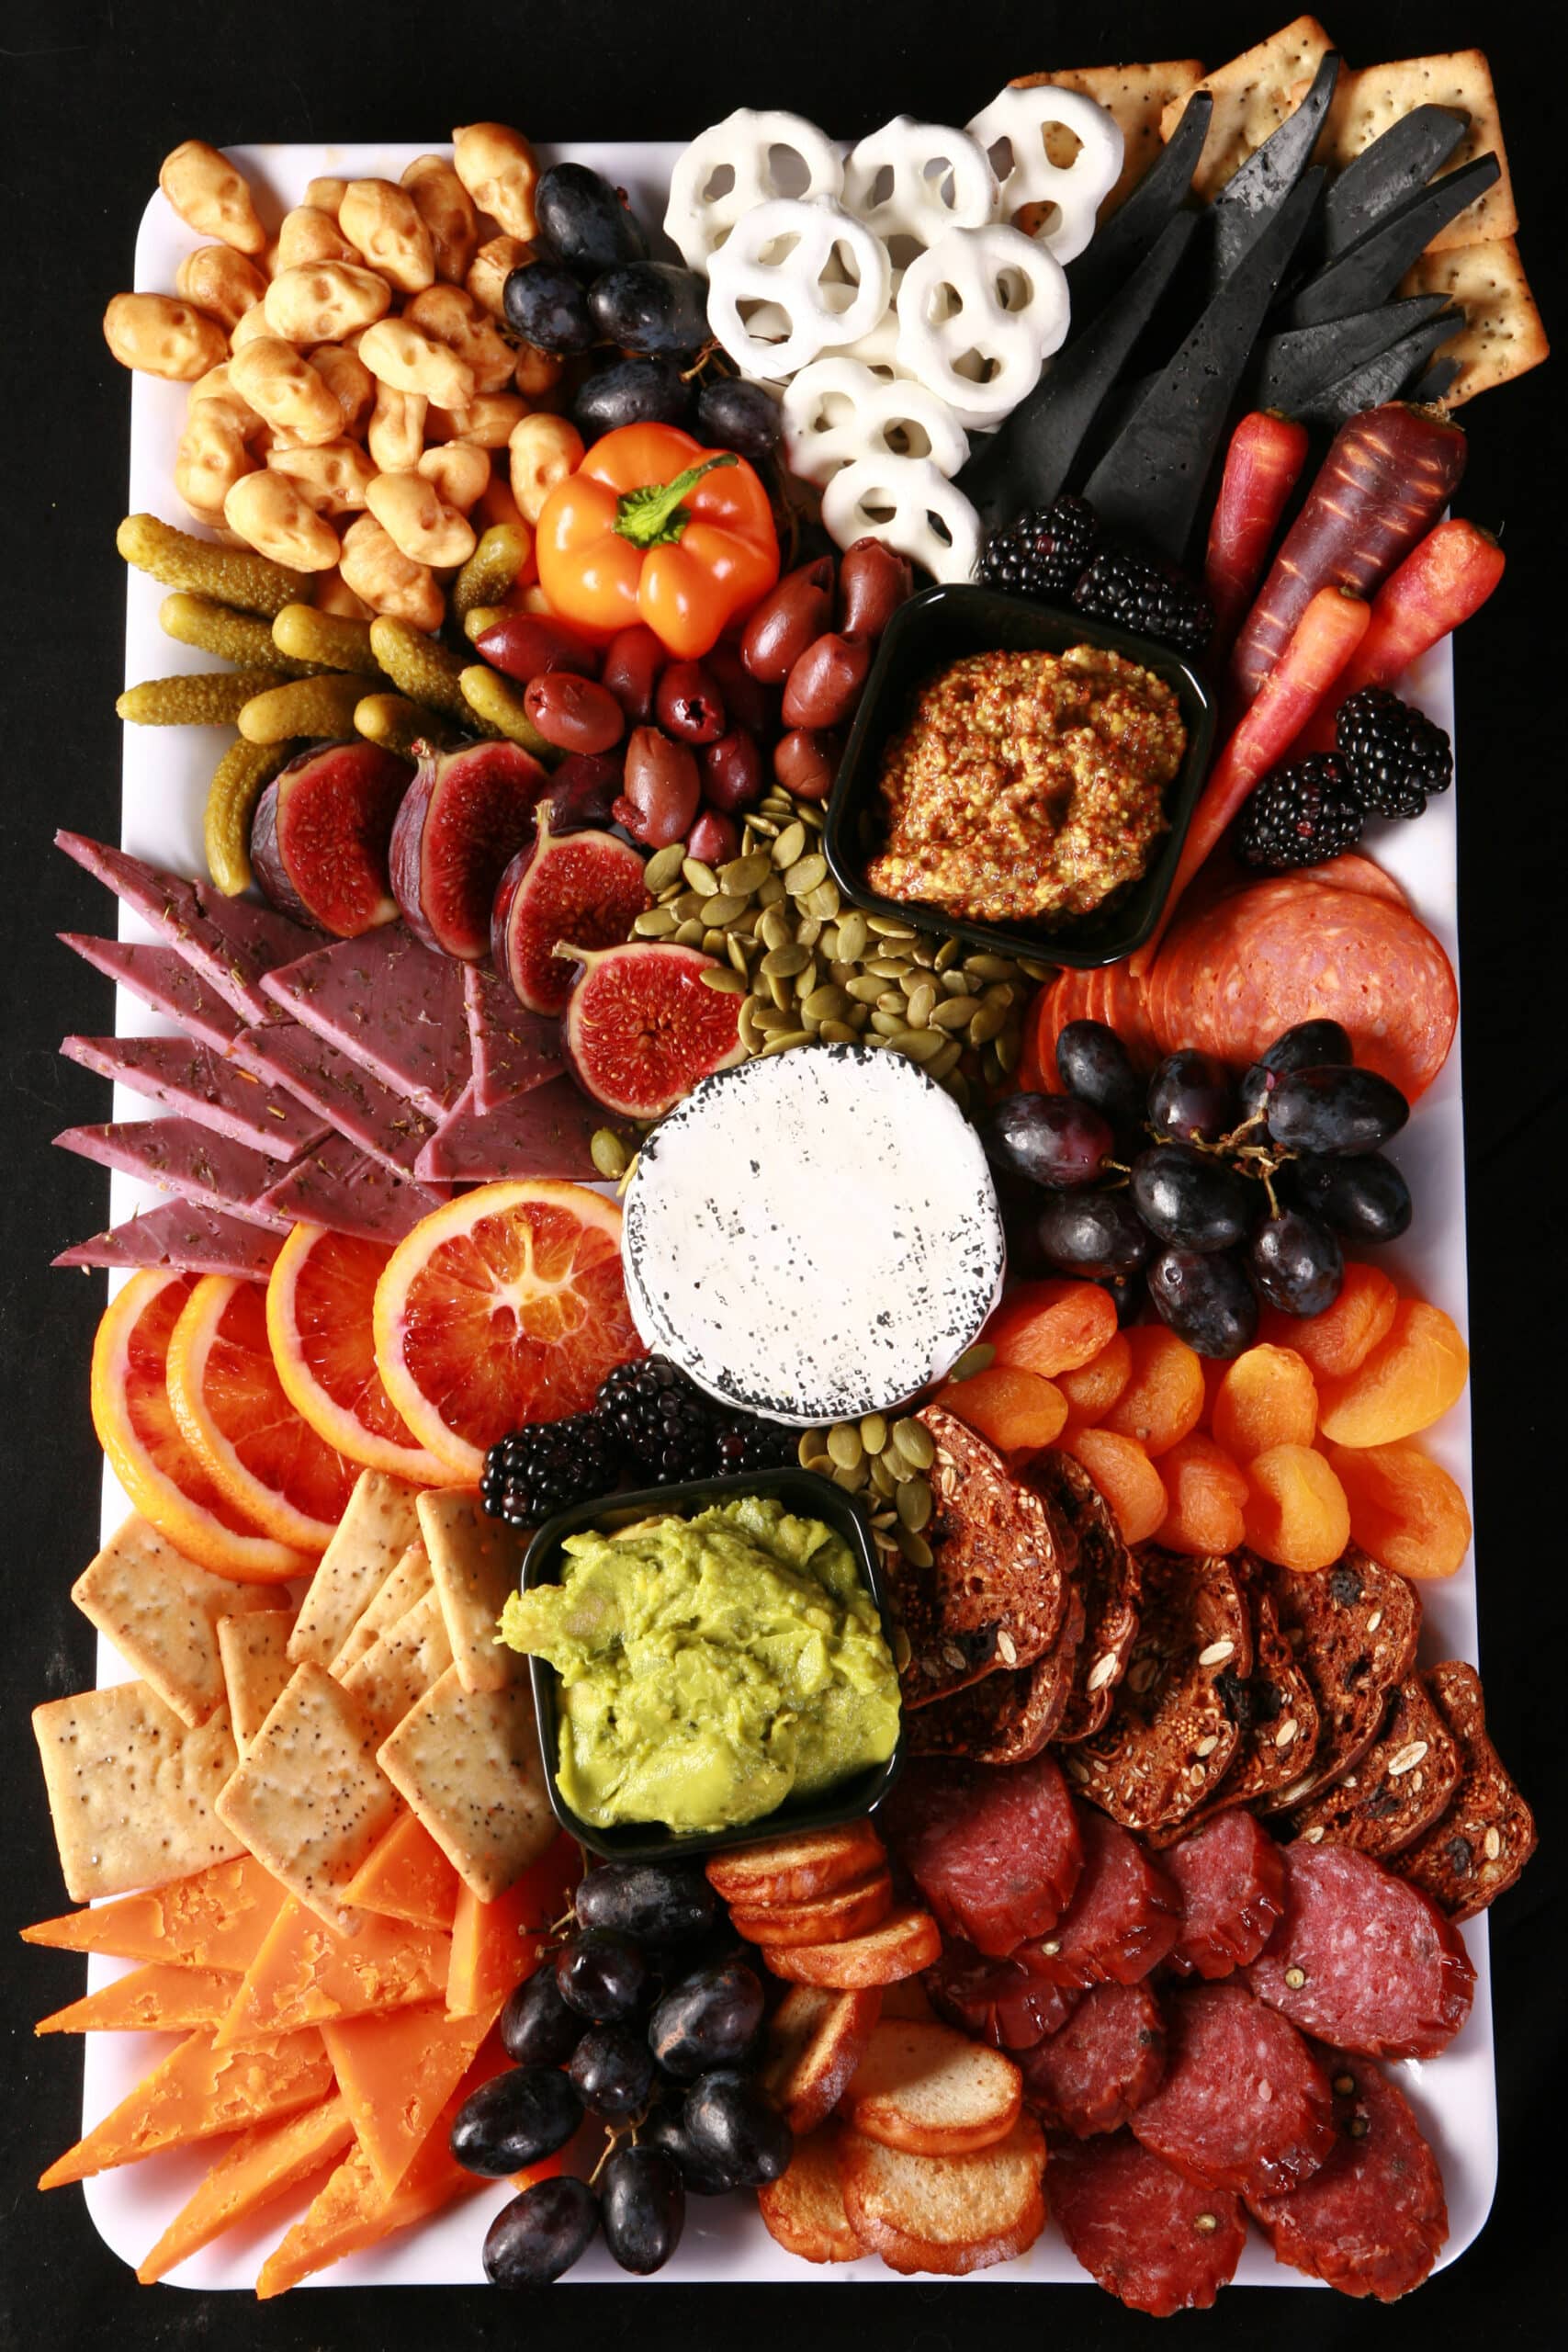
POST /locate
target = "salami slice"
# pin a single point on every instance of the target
(998, 2001)
(1230, 1877)
(1373, 2218)
(1123, 1919)
(1103, 2064)
(1141, 2229)
(1244, 2104)
(1402, 1785)
(1008, 1716)
(1108, 1580)
(996, 1855)
(1362, 1960)
(1352, 1631)
(1487, 1835)
(1062, 1000)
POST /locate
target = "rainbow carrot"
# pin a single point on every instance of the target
(1446, 578)
(1263, 463)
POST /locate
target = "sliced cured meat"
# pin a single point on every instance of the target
(1352, 1631)
(196, 1082)
(511, 1049)
(1244, 2104)
(998, 2001)
(1105, 2062)
(1173, 1729)
(1351, 871)
(1487, 1835)
(160, 978)
(1108, 1580)
(231, 943)
(1062, 999)
(1363, 1960)
(546, 1131)
(342, 1189)
(354, 1103)
(1009, 1715)
(1373, 2218)
(388, 1003)
(1148, 2235)
(1115, 996)
(1274, 1705)
(1402, 1785)
(996, 1855)
(1123, 1919)
(1230, 1877)
(180, 1157)
(181, 1236)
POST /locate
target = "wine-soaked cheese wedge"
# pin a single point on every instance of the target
(908, 1940)
(948, 2214)
(932, 2091)
(817, 2039)
(813, 1235)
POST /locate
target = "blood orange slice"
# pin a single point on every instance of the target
(505, 1305)
(165, 1481)
(321, 1299)
(231, 1405)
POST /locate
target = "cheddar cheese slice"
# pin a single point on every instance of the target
(216, 1919)
(197, 2092)
(396, 2073)
(304, 1975)
(263, 2163)
(163, 1997)
(495, 1945)
(406, 1877)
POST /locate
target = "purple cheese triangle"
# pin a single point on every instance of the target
(230, 942)
(343, 1093)
(161, 978)
(546, 1132)
(180, 1157)
(197, 1083)
(389, 1004)
(512, 1049)
(189, 1239)
(349, 1193)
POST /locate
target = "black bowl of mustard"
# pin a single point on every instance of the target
(924, 638)
(801, 1492)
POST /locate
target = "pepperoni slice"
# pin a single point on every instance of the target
(1244, 2105)
(996, 1853)
(1066, 998)
(1151, 2238)
(1123, 1919)
(1103, 2064)
(1230, 1877)
(1363, 1960)
(1373, 2218)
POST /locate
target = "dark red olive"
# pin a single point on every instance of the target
(806, 762)
(632, 663)
(573, 713)
(873, 581)
(784, 623)
(713, 838)
(526, 645)
(732, 771)
(825, 683)
(663, 789)
(689, 705)
(749, 702)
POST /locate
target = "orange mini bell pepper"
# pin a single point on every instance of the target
(653, 527)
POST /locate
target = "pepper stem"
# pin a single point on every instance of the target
(654, 516)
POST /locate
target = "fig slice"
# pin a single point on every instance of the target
(320, 836)
(584, 886)
(464, 818)
(641, 1026)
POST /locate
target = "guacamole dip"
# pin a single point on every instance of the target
(710, 1668)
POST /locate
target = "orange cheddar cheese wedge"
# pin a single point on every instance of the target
(159, 1999)
(263, 2163)
(495, 1945)
(305, 1973)
(194, 2094)
(396, 2073)
(216, 1919)
(406, 1876)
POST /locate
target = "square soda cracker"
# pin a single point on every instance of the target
(372, 1535)
(409, 1581)
(1502, 335)
(475, 1561)
(1252, 97)
(1136, 97)
(309, 1801)
(401, 1664)
(161, 1611)
(468, 1764)
(1365, 103)
(255, 1651)
(132, 1790)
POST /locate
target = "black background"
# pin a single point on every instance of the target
(93, 96)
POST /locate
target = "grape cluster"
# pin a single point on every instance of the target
(1207, 1193)
(649, 2019)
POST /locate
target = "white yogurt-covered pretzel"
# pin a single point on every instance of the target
(976, 316)
(806, 281)
(941, 179)
(835, 411)
(740, 150)
(1021, 118)
(912, 506)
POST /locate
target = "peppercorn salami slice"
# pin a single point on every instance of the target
(1123, 1919)
(1103, 2064)
(1373, 2218)
(998, 2001)
(1352, 1631)
(1006, 1717)
(995, 1854)
(1230, 1878)
(1487, 1835)
(1108, 1580)
(1243, 2104)
(1172, 1732)
(1362, 1960)
(1402, 1785)
(1144, 2232)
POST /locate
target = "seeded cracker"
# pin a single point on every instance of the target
(401, 1664)
(1006, 1717)
(1366, 103)
(161, 1611)
(409, 1582)
(309, 1801)
(132, 1790)
(474, 1561)
(1135, 97)
(1274, 1708)
(1108, 1577)
(468, 1764)
(1503, 335)
(1252, 97)
(1402, 1785)
(372, 1535)
(1482, 1842)
(255, 1651)
(1352, 1631)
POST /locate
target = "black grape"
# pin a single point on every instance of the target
(613, 2068)
(1050, 1138)
(652, 307)
(1093, 1234)
(549, 309)
(644, 2199)
(536, 2027)
(1191, 1201)
(583, 223)
(633, 392)
(1308, 1044)
(1365, 1199)
(709, 2019)
(1205, 1297)
(1092, 1063)
(515, 2119)
(601, 1975)
(1335, 1108)
(731, 2123)
(659, 1903)
(541, 2233)
(1297, 1263)
(1191, 1098)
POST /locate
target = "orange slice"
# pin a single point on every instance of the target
(321, 1299)
(506, 1305)
(163, 1478)
(230, 1404)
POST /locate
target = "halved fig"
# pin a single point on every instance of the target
(586, 887)
(641, 1027)
(321, 834)
(465, 817)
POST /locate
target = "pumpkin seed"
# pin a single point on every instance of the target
(812, 817)
(809, 931)
(771, 891)
(914, 1441)
(915, 1548)
(844, 1445)
(609, 1154)
(917, 1045)
(956, 1086)
(699, 875)
(922, 1002)
(688, 903)
(947, 1059)
(751, 1034)
(779, 991)
(886, 968)
(663, 867)
(948, 953)
(723, 981)
(786, 1038)
(890, 927)
(770, 1020)
(689, 934)
(854, 931)
(990, 967)
(713, 942)
(1036, 971)
(837, 1033)
(874, 1431)
(757, 824)
(888, 1025)
(654, 923)
(955, 1011)
(864, 987)
(986, 1023)
(804, 875)
(882, 1478)
(824, 1003)
(744, 875)
(774, 930)
(810, 1449)
(735, 948)
(722, 907)
(891, 1000)
(979, 1358)
(783, 963)
(789, 845)
(999, 992)
(1008, 1049)
(913, 1504)
(823, 901)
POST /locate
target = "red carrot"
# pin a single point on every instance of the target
(1387, 478)
(1267, 453)
(1449, 576)
(1326, 637)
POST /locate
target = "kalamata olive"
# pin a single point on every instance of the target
(573, 713)
(713, 838)
(583, 790)
(663, 789)
(806, 762)
(784, 623)
(873, 581)
(688, 704)
(825, 685)
(632, 662)
(749, 702)
(527, 645)
(732, 771)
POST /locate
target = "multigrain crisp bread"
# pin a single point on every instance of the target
(1482, 1842)
(1402, 1785)
(375, 1531)
(1108, 1579)
(409, 1581)
(401, 1664)
(1366, 103)
(132, 1790)
(1502, 335)
(1135, 97)
(1252, 97)
(1007, 1717)
(1352, 1630)
(309, 1801)
(467, 1763)
(475, 1561)
(161, 1611)
(255, 1651)
(1274, 1708)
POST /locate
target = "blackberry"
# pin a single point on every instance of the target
(1139, 591)
(1043, 552)
(1299, 815)
(1392, 755)
(746, 1442)
(661, 1420)
(546, 1467)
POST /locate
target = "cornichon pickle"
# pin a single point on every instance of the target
(324, 641)
(239, 780)
(478, 618)
(421, 669)
(230, 575)
(320, 708)
(241, 637)
(400, 726)
(197, 698)
(495, 706)
(491, 569)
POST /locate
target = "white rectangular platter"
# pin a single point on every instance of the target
(166, 772)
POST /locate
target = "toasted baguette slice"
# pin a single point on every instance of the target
(796, 1869)
(908, 1940)
(909, 2000)
(931, 2091)
(804, 2209)
(816, 2042)
(853, 1910)
(949, 2214)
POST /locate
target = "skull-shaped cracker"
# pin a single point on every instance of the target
(910, 505)
(1063, 197)
(737, 164)
(910, 182)
(836, 411)
(828, 273)
(976, 316)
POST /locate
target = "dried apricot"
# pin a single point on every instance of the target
(1267, 1397)
(1125, 1477)
(1345, 1334)
(1164, 1399)
(1405, 1508)
(1052, 1328)
(1412, 1375)
(1013, 1410)
(1296, 1512)
(1206, 1492)
(1092, 1388)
